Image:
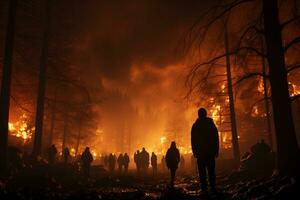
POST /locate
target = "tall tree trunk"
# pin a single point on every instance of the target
(53, 116)
(287, 148)
(66, 119)
(235, 143)
(6, 85)
(37, 145)
(78, 137)
(266, 99)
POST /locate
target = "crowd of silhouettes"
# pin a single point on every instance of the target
(141, 159)
(205, 147)
(123, 162)
(85, 159)
(111, 162)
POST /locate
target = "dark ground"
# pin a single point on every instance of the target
(60, 182)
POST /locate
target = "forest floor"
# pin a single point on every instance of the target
(59, 182)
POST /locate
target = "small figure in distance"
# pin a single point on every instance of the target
(126, 161)
(172, 160)
(52, 151)
(154, 163)
(205, 146)
(120, 162)
(137, 160)
(111, 162)
(144, 160)
(66, 155)
(86, 159)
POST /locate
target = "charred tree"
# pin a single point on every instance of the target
(287, 148)
(6, 84)
(235, 143)
(53, 117)
(37, 145)
(66, 119)
(78, 137)
(266, 99)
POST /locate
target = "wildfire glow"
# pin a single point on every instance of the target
(255, 111)
(215, 112)
(294, 89)
(223, 88)
(163, 140)
(260, 86)
(21, 129)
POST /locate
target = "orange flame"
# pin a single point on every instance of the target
(21, 129)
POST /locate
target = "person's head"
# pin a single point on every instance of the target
(152, 153)
(138, 151)
(143, 149)
(262, 141)
(202, 113)
(87, 148)
(173, 144)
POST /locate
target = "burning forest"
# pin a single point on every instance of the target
(146, 99)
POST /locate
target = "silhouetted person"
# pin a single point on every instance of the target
(137, 160)
(52, 151)
(205, 146)
(86, 159)
(144, 160)
(154, 163)
(172, 160)
(260, 162)
(261, 148)
(120, 162)
(111, 162)
(66, 155)
(126, 161)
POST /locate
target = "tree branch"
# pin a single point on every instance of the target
(292, 68)
(291, 43)
(284, 24)
(250, 75)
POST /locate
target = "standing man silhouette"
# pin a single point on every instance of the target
(205, 146)
(172, 160)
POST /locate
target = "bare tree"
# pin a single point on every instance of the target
(37, 146)
(287, 146)
(265, 24)
(6, 84)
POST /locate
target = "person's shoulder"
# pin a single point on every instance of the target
(209, 119)
(196, 122)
